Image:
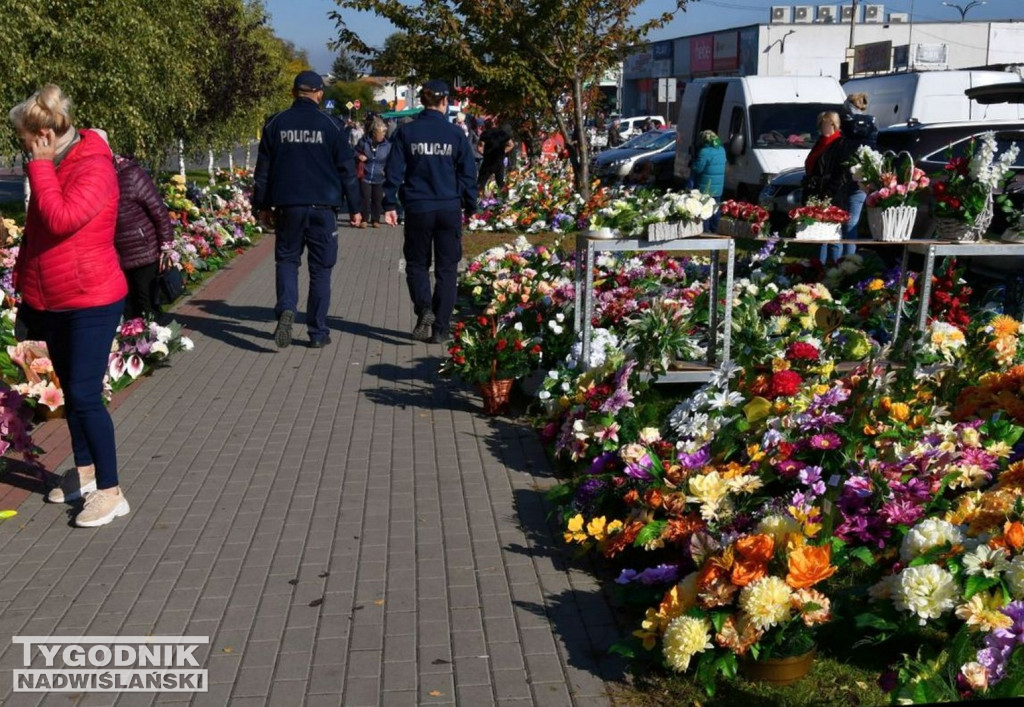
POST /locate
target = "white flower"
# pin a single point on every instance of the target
(1015, 577)
(135, 366)
(928, 591)
(518, 326)
(723, 400)
(929, 533)
(985, 560)
(685, 637)
(161, 333)
(186, 343)
(115, 367)
(159, 348)
(544, 395)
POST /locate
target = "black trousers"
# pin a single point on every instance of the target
(141, 284)
(433, 236)
(488, 169)
(373, 198)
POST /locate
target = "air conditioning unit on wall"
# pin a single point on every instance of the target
(781, 15)
(899, 18)
(803, 13)
(826, 14)
(846, 13)
(874, 13)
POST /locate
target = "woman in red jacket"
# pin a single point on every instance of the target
(72, 287)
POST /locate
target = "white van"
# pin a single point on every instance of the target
(932, 97)
(767, 124)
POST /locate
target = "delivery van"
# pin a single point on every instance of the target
(933, 97)
(767, 124)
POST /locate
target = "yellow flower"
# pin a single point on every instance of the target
(981, 612)
(685, 637)
(596, 528)
(614, 527)
(766, 601)
(876, 284)
(755, 452)
(757, 409)
(1004, 326)
(574, 529)
(576, 523)
(899, 412)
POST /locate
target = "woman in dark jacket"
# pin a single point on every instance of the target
(828, 177)
(143, 229)
(372, 154)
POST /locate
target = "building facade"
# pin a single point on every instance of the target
(811, 40)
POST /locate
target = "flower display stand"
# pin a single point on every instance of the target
(715, 246)
(604, 232)
(777, 671)
(496, 395)
(670, 231)
(818, 231)
(892, 225)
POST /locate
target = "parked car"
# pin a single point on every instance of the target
(631, 127)
(657, 170)
(930, 145)
(612, 166)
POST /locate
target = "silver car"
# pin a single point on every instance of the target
(612, 166)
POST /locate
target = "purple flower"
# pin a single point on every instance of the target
(790, 467)
(808, 475)
(662, 574)
(826, 442)
(626, 576)
(901, 512)
(603, 463)
(641, 469)
(696, 460)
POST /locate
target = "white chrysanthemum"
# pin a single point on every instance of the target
(766, 601)
(929, 533)
(928, 591)
(985, 560)
(685, 637)
(1015, 577)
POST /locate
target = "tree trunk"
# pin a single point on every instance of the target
(209, 167)
(582, 169)
(181, 158)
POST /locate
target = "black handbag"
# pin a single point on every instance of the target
(169, 287)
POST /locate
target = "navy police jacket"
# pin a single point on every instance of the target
(431, 167)
(305, 160)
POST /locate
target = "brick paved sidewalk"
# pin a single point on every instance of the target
(345, 527)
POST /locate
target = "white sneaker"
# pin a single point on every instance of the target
(73, 485)
(101, 507)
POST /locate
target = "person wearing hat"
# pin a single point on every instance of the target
(304, 166)
(431, 170)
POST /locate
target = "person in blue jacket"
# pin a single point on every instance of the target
(304, 164)
(372, 152)
(708, 171)
(432, 171)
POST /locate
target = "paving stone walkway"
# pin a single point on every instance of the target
(346, 528)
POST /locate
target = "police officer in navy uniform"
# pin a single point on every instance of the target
(432, 171)
(305, 163)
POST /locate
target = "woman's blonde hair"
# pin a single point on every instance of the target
(379, 126)
(46, 108)
(831, 116)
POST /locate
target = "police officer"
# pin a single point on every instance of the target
(431, 170)
(305, 162)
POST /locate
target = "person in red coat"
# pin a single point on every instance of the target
(72, 288)
(143, 229)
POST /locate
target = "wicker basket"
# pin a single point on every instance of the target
(818, 231)
(496, 395)
(728, 226)
(893, 224)
(951, 229)
(662, 231)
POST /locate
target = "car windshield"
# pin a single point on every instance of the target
(651, 140)
(786, 126)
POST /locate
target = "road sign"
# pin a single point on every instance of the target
(350, 105)
(356, 104)
(329, 104)
(667, 90)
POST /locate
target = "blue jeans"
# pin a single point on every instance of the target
(78, 341)
(832, 252)
(312, 227)
(433, 236)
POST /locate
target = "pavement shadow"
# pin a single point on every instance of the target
(229, 323)
(417, 386)
(28, 477)
(585, 641)
(516, 444)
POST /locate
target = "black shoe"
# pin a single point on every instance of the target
(421, 332)
(439, 337)
(283, 333)
(320, 343)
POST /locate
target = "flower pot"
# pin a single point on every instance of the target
(777, 671)
(818, 231)
(893, 224)
(495, 394)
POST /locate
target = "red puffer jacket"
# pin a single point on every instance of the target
(68, 260)
(143, 223)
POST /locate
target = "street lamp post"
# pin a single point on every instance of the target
(962, 9)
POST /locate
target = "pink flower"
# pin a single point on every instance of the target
(52, 396)
(115, 367)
